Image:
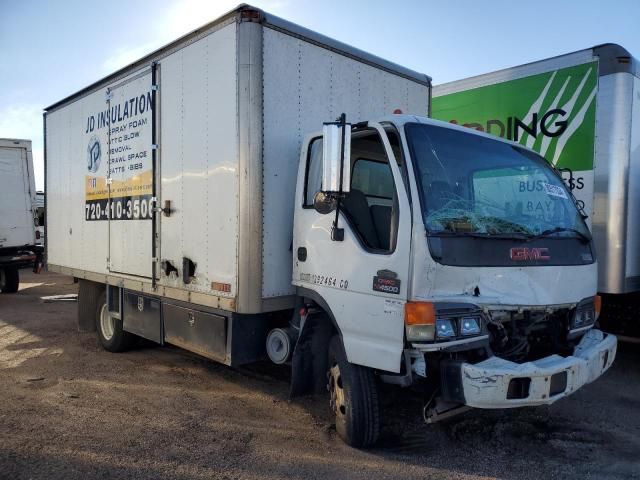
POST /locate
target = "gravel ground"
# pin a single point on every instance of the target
(70, 410)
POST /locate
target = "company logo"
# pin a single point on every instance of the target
(556, 114)
(520, 254)
(548, 124)
(94, 152)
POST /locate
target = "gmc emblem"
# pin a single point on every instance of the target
(520, 254)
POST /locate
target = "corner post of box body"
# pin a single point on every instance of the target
(249, 104)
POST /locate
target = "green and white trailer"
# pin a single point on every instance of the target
(581, 111)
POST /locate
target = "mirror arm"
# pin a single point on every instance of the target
(337, 234)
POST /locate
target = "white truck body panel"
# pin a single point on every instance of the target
(234, 100)
(199, 160)
(322, 85)
(17, 194)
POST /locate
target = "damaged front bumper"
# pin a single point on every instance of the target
(499, 383)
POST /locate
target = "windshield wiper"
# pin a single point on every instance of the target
(584, 237)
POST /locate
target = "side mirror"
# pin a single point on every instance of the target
(336, 156)
(324, 203)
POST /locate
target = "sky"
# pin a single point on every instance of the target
(51, 49)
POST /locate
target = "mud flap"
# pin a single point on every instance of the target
(310, 356)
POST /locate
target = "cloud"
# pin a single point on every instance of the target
(24, 121)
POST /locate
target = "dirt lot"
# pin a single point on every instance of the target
(70, 410)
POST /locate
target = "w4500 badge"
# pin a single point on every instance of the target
(124, 208)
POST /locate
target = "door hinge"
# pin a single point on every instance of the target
(155, 87)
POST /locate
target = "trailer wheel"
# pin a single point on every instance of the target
(9, 279)
(110, 332)
(353, 398)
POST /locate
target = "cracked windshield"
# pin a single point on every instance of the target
(476, 185)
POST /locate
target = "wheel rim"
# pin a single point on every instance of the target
(106, 323)
(337, 397)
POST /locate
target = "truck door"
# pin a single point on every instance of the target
(363, 279)
(130, 175)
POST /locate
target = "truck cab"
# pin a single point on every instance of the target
(444, 258)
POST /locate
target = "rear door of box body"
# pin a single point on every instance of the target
(16, 217)
(130, 175)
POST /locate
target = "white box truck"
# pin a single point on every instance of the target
(17, 212)
(213, 196)
(581, 111)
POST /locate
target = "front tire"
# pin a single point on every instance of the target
(9, 279)
(353, 398)
(111, 335)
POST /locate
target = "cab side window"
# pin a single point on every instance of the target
(371, 204)
(313, 179)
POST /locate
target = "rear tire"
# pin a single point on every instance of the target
(353, 398)
(111, 335)
(9, 279)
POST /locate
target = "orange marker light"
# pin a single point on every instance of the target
(419, 313)
(597, 303)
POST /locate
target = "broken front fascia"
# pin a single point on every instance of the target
(487, 384)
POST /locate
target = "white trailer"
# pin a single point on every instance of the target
(582, 112)
(197, 207)
(17, 213)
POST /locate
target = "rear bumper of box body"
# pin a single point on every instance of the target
(541, 382)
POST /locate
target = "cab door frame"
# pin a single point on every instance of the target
(343, 274)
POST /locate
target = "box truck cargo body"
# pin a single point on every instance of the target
(234, 103)
(17, 211)
(582, 112)
(255, 189)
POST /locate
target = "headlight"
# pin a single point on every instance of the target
(445, 328)
(584, 315)
(469, 326)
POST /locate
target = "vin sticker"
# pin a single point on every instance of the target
(386, 285)
(393, 307)
(554, 190)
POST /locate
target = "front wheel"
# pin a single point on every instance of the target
(353, 398)
(110, 332)
(9, 279)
